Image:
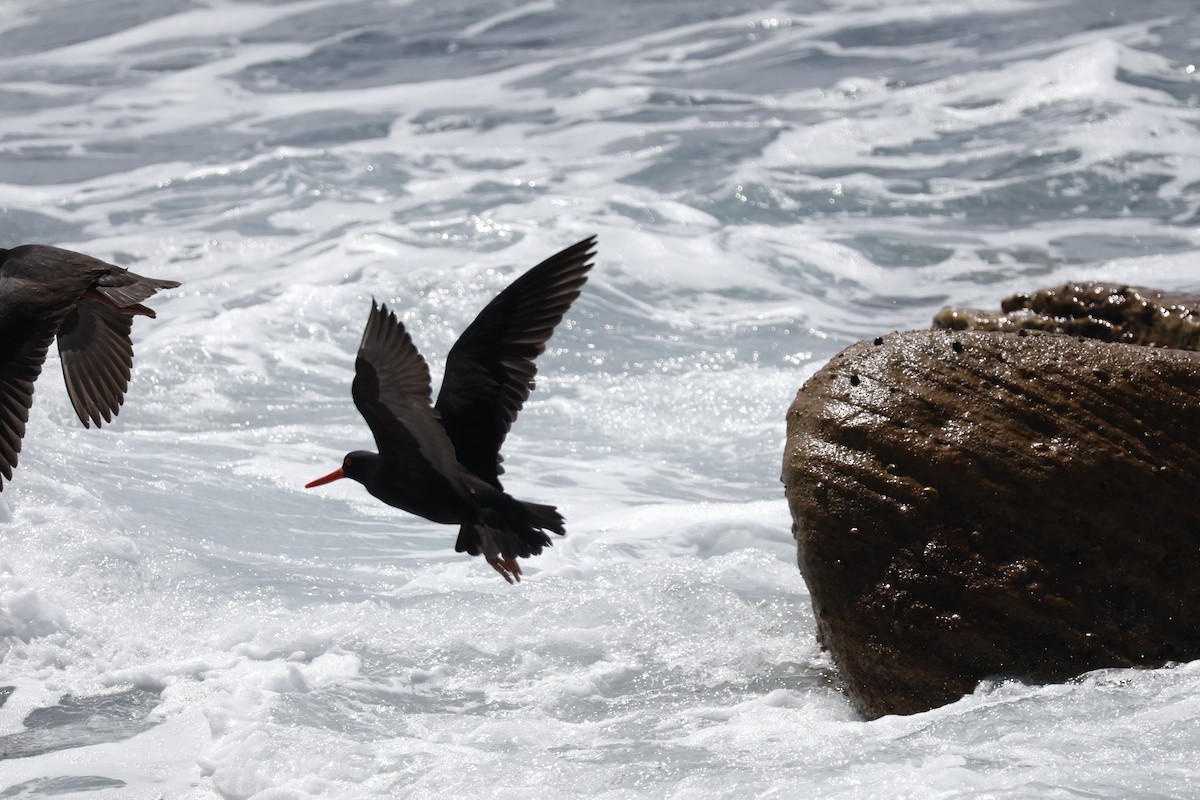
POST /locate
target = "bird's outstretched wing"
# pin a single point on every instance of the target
(392, 391)
(97, 357)
(490, 369)
(24, 341)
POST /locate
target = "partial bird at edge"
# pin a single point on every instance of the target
(88, 305)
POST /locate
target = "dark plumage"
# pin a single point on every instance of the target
(88, 305)
(442, 461)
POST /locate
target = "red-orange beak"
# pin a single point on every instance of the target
(330, 478)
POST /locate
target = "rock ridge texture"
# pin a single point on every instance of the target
(973, 503)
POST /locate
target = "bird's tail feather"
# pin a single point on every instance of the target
(128, 289)
(545, 517)
(520, 533)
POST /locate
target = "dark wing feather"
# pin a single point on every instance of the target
(24, 341)
(97, 357)
(392, 391)
(490, 369)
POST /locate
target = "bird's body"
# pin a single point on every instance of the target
(442, 461)
(88, 305)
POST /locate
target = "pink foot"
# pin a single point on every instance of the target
(508, 568)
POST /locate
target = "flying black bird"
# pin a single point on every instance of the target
(442, 461)
(89, 306)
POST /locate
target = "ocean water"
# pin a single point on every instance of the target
(179, 618)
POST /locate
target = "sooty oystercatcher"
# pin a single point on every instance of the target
(441, 461)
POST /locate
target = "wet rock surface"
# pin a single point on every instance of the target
(1107, 312)
(971, 504)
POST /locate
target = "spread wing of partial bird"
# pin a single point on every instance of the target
(97, 359)
(23, 346)
(490, 369)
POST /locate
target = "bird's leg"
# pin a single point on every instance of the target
(508, 568)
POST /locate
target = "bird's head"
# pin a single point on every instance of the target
(356, 466)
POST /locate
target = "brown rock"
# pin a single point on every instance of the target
(1108, 312)
(975, 504)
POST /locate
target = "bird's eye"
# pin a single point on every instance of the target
(346, 463)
